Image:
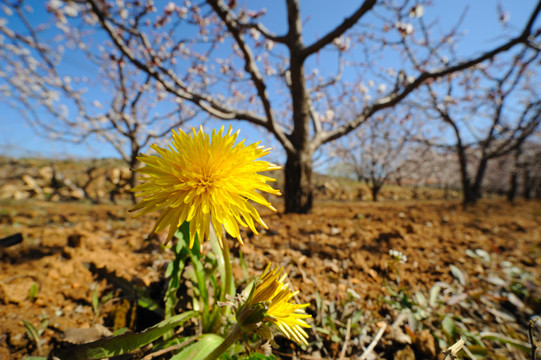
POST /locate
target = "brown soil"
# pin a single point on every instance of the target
(339, 254)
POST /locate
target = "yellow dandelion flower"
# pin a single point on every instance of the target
(205, 180)
(281, 311)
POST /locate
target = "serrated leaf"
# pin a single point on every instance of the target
(123, 344)
(174, 272)
(200, 349)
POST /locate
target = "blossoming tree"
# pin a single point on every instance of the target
(376, 152)
(228, 62)
(490, 111)
(116, 104)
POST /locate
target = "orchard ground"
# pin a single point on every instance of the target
(473, 273)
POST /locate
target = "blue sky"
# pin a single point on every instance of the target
(17, 138)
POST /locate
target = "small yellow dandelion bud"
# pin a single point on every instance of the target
(271, 300)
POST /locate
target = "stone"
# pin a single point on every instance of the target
(8, 191)
(405, 354)
(46, 173)
(85, 335)
(77, 194)
(21, 195)
(74, 240)
(425, 344)
(114, 175)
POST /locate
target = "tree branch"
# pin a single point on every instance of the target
(228, 17)
(395, 97)
(339, 30)
(175, 86)
(264, 31)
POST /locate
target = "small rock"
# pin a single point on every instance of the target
(77, 194)
(18, 340)
(8, 191)
(478, 269)
(40, 302)
(85, 335)
(74, 240)
(53, 274)
(20, 195)
(16, 291)
(404, 354)
(425, 344)
(398, 336)
(410, 229)
(46, 173)
(331, 265)
(32, 185)
(29, 181)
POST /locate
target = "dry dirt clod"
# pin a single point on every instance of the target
(85, 335)
(405, 354)
(74, 240)
(425, 344)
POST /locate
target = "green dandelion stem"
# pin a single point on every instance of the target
(234, 335)
(228, 270)
(223, 257)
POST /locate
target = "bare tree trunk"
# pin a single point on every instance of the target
(134, 164)
(476, 186)
(513, 185)
(375, 191)
(528, 185)
(298, 183)
(513, 179)
(468, 197)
